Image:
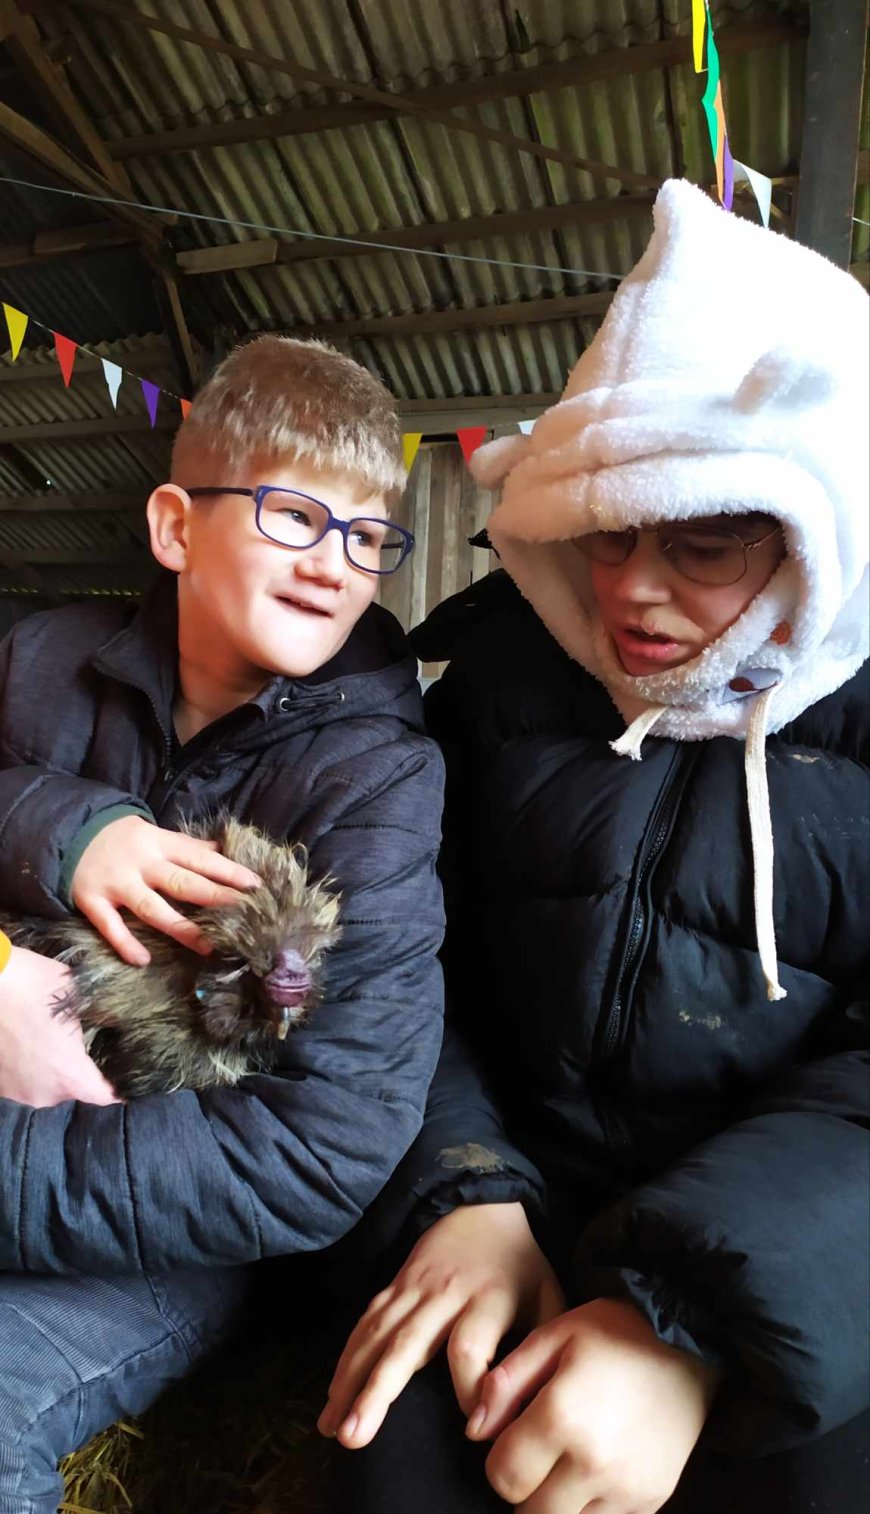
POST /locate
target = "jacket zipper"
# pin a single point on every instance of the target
(637, 935)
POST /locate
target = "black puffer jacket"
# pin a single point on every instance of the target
(285, 1162)
(698, 1149)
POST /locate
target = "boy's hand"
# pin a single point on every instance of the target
(466, 1282)
(42, 1054)
(131, 864)
(613, 1419)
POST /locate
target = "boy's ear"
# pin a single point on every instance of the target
(168, 514)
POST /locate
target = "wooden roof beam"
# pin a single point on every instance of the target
(37, 144)
(615, 63)
(266, 251)
(88, 429)
(55, 501)
(430, 322)
(409, 105)
(46, 78)
(22, 36)
(28, 576)
(420, 414)
(49, 245)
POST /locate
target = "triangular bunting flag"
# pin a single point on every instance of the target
(699, 17)
(525, 426)
(470, 438)
(113, 376)
(760, 185)
(185, 408)
(410, 447)
(16, 322)
(66, 350)
(728, 174)
(152, 398)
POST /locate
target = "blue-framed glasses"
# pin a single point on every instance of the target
(296, 520)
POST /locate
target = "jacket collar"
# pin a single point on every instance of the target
(373, 670)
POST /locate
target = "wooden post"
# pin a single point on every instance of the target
(832, 108)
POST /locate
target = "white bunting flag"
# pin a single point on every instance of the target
(113, 376)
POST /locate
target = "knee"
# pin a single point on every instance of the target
(39, 1411)
(30, 1482)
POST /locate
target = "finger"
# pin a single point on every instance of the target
(152, 909)
(112, 927)
(191, 888)
(513, 1381)
(566, 1490)
(411, 1347)
(363, 1349)
(525, 1455)
(474, 1341)
(94, 1089)
(204, 857)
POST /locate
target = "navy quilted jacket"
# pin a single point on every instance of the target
(694, 1147)
(287, 1161)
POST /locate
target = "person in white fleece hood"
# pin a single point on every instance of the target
(704, 398)
(659, 966)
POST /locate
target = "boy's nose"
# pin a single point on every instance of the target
(325, 562)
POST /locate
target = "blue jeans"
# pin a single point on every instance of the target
(78, 1353)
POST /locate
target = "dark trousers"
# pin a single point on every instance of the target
(421, 1461)
(78, 1353)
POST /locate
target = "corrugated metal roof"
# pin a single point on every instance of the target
(410, 171)
(389, 173)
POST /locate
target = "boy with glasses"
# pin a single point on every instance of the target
(259, 678)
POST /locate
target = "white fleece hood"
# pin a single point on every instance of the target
(729, 375)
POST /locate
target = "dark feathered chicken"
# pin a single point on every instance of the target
(188, 1021)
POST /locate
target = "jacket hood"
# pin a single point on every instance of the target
(730, 375)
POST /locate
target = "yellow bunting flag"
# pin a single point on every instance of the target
(699, 17)
(410, 447)
(16, 322)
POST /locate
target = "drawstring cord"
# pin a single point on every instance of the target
(760, 828)
(761, 831)
(631, 740)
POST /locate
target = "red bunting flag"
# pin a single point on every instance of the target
(185, 408)
(470, 438)
(66, 350)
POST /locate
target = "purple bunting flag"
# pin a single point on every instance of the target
(152, 398)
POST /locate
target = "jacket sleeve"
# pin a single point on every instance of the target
(462, 1155)
(753, 1252)
(285, 1162)
(44, 810)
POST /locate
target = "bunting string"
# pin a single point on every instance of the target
(66, 351)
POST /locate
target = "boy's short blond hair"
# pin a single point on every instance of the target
(277, 397)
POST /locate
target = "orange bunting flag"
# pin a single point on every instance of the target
(410, 447)
(470, 438)
(16, 323)
(185, 408)
(66, 350)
